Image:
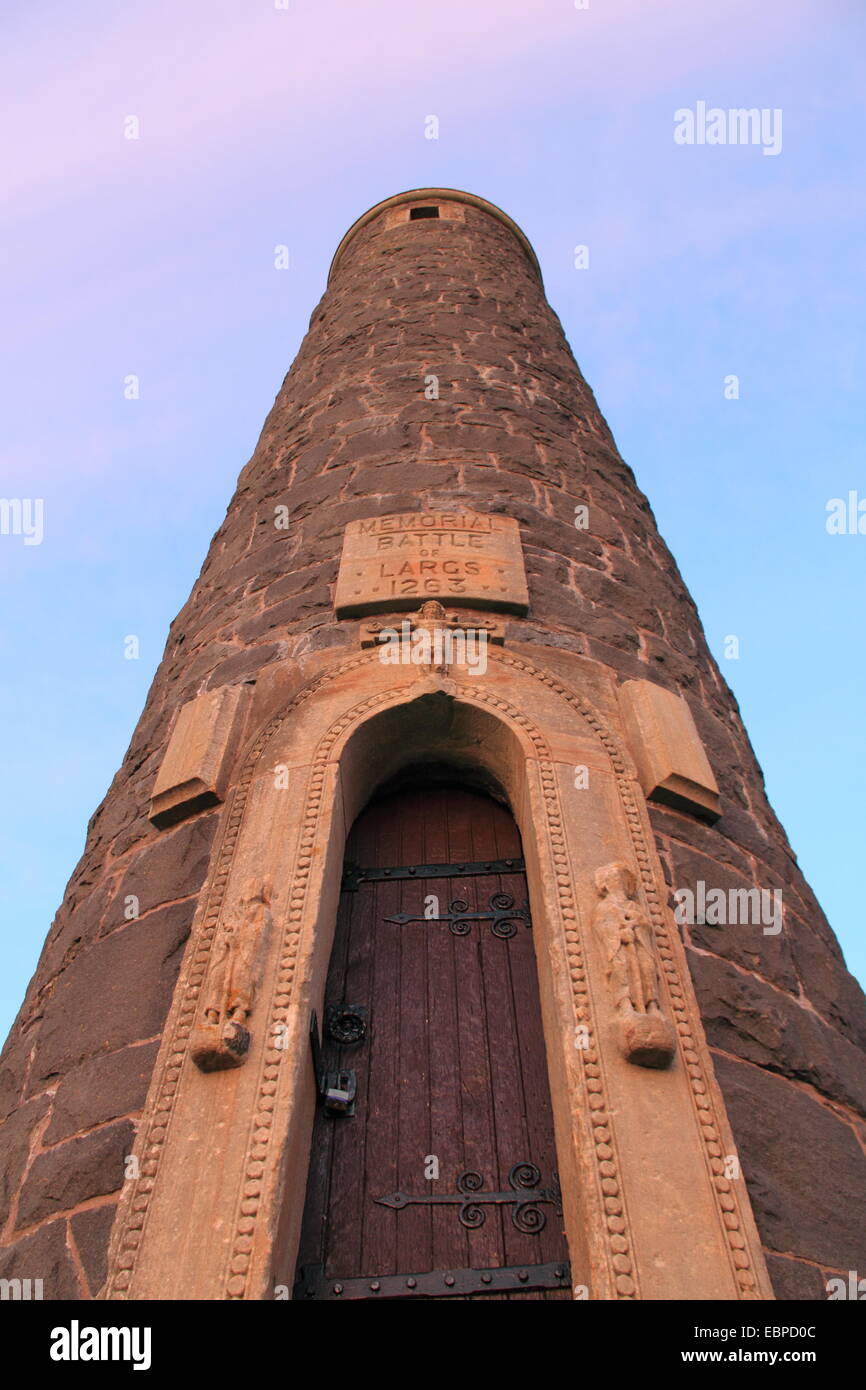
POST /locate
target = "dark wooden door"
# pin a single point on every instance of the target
(451, 1077)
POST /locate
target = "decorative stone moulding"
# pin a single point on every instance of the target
(196, 765)
(432, 613)
(671, 762)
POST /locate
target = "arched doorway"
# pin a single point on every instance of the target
(433, 1170)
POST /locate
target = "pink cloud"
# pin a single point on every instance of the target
(219, 82)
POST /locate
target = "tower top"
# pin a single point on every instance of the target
(433, 196)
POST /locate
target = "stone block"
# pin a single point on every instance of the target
(197, 761)
(70, 1173)
(116, 993)
(45, 1256)
(170, 867)
(746, 943)
(102, 1088)
(826, 983)
(245, 665)
(752, 1020)
(793, 1280)
(398, 562)
(15, 1136)
(804, 1168)
(91, 1231)
(13, 1068)
(672, 765)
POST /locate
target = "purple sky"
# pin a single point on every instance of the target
(262, 126)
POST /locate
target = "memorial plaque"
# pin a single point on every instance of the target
(397, 562)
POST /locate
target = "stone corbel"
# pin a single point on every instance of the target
(195, 769)
(671, 762)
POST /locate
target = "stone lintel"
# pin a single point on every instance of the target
(672, 765)
(197, 761)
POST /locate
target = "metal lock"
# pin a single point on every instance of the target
(335, 1089)
(338, 1092)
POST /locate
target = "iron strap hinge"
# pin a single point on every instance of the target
(503, 916)
(353, 875)
(524, 1195)
(437, 1283)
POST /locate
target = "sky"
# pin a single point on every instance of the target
(264, 124)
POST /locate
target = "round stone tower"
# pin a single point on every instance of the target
(436, 574)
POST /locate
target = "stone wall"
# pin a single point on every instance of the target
(516, 431)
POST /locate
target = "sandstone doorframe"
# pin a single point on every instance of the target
(223, 1156)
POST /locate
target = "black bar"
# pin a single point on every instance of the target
(353, 875)
(437, 1283)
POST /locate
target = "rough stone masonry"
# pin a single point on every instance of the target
(515, 432)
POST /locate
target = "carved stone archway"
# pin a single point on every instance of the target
(652, 1206)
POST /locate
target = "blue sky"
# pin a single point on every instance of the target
(262, 126)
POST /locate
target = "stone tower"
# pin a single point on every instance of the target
(438, 574)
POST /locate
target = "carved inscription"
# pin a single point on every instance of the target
(390, 563)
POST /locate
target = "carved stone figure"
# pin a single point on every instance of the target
(222, 1038)
(646, 1036)
(431, 612)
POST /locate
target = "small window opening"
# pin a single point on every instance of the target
(415, 213)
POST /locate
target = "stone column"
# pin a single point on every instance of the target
(434, 377)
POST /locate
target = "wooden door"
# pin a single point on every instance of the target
(443, 1182)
